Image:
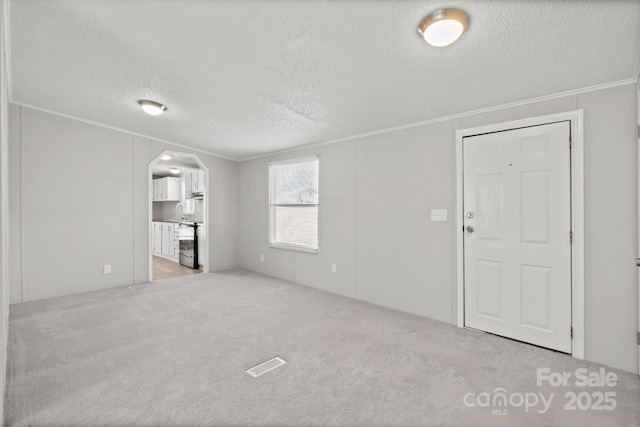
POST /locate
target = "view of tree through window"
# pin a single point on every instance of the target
(294, 203)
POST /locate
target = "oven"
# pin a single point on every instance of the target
(188, 241)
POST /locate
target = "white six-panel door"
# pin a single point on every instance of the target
(517, 248)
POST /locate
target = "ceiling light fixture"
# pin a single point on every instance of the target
(151, 107)
(174, 170)
(444, 26)
(166, 157)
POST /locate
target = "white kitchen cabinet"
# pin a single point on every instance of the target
(173, 188)
(166, 189)
(194, 183)
(202, 241)
(176, 241)
(165, 240)
(156, 186)
(197, 183)
(157, 237)
(187, 185)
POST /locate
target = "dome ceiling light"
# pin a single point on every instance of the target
(444, 26)
(151, 107)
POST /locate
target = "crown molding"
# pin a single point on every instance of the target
(451, 117)
(91, 122)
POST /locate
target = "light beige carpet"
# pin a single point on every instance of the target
(174, 353)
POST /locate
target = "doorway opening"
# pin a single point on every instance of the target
(506, 289)
(178, 194)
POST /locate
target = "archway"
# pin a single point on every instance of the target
(178, 197)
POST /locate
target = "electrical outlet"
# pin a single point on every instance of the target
(261, 257)
(107, 269)
(439, 215)
(334, 268)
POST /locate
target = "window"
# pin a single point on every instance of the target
(293, 199)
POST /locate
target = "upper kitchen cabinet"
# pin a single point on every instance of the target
(194, 183)
(166, 189)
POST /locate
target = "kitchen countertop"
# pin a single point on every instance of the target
(175, 221)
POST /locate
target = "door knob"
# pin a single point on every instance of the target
(469, 229)
(469, 214)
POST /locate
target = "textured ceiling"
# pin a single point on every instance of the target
(242, 78)
(184, 163)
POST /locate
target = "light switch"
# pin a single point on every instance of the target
(439, 215)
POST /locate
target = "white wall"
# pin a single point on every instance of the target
(611, 227)
(79, 193)
(167, 210)
(4, 207)
(164, 210)
(376, 194)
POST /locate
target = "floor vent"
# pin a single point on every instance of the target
(265, 367)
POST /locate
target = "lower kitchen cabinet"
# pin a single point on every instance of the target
(157, 238)
(202, 239)
(165, 240)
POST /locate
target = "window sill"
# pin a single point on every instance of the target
(293, 248)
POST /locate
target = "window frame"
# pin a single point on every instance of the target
(272, 194)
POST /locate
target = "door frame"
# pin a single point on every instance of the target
(638, 179)
(577, 215)
(205, 208)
